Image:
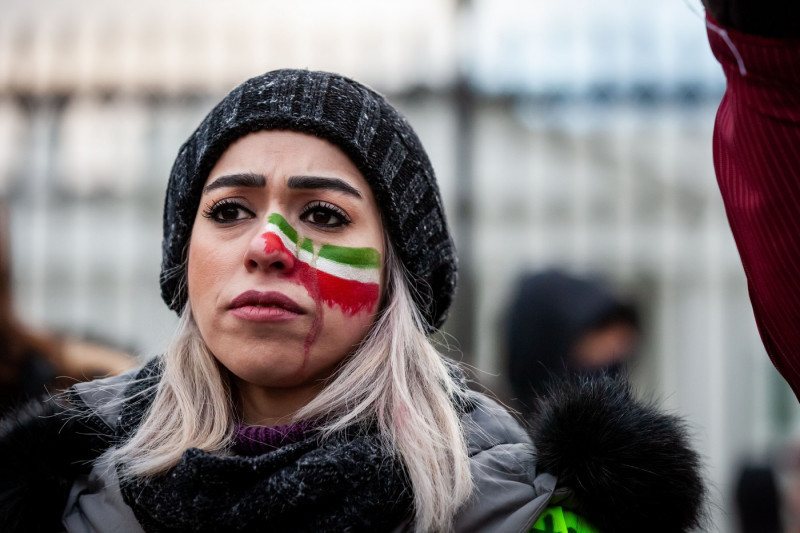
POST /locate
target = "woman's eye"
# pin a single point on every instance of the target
(227, 211)
(325, 215)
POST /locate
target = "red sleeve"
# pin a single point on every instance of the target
(757, 161)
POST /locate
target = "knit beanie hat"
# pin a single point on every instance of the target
(378, 140)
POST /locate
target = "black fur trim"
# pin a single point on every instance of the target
(44, 446)
(631, 467)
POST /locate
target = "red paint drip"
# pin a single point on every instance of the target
(306, 276)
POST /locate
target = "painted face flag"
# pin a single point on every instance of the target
(345, 277)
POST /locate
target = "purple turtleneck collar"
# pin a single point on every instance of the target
(250, 441)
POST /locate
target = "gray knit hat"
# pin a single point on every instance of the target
(378, 140)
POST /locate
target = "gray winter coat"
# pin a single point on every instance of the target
(508, 495)
(623, 465)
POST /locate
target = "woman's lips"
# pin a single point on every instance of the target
(269, 306)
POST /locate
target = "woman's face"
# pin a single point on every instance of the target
(285, 260)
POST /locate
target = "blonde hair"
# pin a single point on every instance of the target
(395, 377)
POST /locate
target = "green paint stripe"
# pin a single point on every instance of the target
(284, 226)
(355, 257)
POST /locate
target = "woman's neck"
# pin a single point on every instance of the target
(262, 406)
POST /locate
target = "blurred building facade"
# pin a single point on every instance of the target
(576, 135)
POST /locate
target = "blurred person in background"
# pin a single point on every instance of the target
(758, 498)
(307, 253)
(788, 472)
(32, 362)
(559, 324)
(757, 160)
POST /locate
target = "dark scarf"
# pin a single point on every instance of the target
(348, 482)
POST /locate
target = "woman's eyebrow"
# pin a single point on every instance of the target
(236, 180)
(316, 182)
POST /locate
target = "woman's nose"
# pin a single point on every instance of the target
(268, 251)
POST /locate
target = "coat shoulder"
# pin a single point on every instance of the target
(488, 424)
(49, 442)
(508, 492)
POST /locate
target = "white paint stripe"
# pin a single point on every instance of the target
(340, 270)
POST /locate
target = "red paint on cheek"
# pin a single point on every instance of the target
(351, 296)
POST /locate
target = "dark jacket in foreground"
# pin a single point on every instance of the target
(620, 463)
